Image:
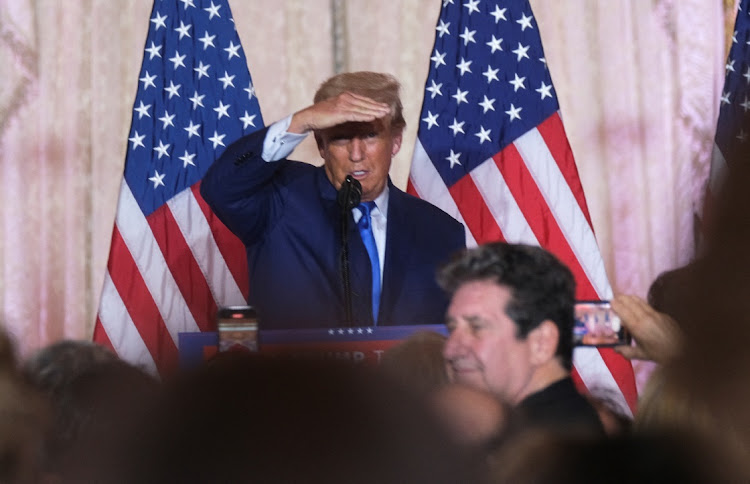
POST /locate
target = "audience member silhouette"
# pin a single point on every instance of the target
(246, 418)
(417, 362)
(24, 421)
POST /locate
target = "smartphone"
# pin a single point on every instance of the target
(238, 328)
(597, 325)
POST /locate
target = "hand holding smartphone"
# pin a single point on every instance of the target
(596, 324)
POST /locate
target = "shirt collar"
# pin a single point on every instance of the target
(381, 201)
(381, 205)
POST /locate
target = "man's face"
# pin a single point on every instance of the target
(362, 150)
(482, 350)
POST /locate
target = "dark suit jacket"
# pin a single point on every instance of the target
(559, 407)
(285, 213)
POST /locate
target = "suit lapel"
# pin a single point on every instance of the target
(361, 277)
(399, 241)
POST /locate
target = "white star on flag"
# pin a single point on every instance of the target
(247, 120)
(159, 21)
(178, 60)
(187, 159)
(457, 127)
(435, 89)
(483, 135)
(463, 66)
(545, 90)
(222, 109)
(148, 80)
(460, 96)
(167, 119)
(487, 104)
(517, 83)
(443, 28)
(514, 112)
(137, 140)
(143, 110)
(217, 139)
(250, 90)
(227, 80)
(192, 129)
(157, 179)
(197, 100)
(183, 30)
(490, 74)
(208, 40)
(431, 120)
(173, 90)
(494, 44)
(232, 51)
(213, 11)
(202, 69)
(154, 51)
(521, 51)
(162, 149)
(453, 158)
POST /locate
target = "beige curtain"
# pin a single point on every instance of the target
(638, 82)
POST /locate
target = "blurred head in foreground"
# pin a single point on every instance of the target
(252, 419)
(538, 457)
(417, 362)
(24, 421)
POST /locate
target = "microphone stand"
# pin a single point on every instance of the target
(348, 197)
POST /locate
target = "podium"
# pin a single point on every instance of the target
(362, 344)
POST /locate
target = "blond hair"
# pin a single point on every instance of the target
(381, 87)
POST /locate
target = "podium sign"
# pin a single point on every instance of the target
(358, 344)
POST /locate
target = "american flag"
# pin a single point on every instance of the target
(171, 261)
(492, 151)
(733, 126)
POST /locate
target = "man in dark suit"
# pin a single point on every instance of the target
(511, 321)
(287, 215)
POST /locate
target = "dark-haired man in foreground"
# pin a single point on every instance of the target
(511, 320)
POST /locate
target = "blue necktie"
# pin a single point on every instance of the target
(365, 231)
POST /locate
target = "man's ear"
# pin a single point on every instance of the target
(397, 138)
(543, 342)
(319, 141)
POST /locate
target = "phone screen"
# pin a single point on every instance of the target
(597, 325)
(238, 328)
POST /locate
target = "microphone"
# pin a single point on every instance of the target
(349, 194)
(348, 197)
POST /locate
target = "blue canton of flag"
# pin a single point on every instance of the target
(195, 96)
(488, 84)
(172, 263)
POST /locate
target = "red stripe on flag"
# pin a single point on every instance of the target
(184, 268)
(230, 246)
(578, 382)
(477, 216)
(101, 337)
(534, 207)
(410, 188)
(622, 371)
(553, 133)
(140, 305)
